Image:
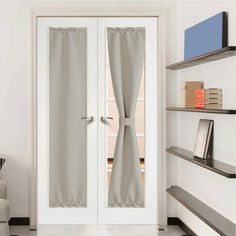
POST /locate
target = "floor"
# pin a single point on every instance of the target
(101, 230)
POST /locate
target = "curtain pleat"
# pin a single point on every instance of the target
(67, 105)
(126, 48)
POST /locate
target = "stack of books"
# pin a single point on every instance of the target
(208, 98)
(213, 98)
(200, 98)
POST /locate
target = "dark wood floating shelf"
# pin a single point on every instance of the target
(208, 57)
(215, 111)
(211, 217)
(218, 167)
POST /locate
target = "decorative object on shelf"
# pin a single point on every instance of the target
(208, 98)
(213, 98)
(204, 141)
(206, 36)
(199, 98)
(2, 161)
(188, 92)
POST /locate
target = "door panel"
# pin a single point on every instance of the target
(67, 141)
(145, 124)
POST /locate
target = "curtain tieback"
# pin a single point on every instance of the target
(126, 121)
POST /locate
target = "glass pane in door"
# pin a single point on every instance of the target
(67, 117)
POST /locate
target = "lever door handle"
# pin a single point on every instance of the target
(88, 118)
(104, 118)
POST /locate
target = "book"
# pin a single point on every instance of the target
(2, 161)
(200, 100)
(213, 91)
(200, 91)
(200, 106)
(212, 96)
(208, 98)
(188, 92)
(213, 101)
(204, 138)
(200, 96)
(213, 106)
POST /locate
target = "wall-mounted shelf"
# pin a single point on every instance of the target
(211, 217)
(208, 57)
(218, 167)
(215, 111)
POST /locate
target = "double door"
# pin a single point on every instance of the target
(96, 120)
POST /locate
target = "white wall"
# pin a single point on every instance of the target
(215, 190)
(14, 104)
(15, 77)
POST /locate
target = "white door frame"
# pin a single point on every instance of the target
(98, 9)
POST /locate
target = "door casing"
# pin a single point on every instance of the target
(124, 9)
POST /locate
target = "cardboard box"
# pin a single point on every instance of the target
(188, 93)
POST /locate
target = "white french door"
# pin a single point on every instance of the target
(65, 215)
(101, 123)
(145, 125)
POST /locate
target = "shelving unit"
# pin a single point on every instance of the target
(218, 167)
(215, 111)
(211, 217)
(215, 220)
(208, 57)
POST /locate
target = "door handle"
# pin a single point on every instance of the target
(88, 118)
(104, 118)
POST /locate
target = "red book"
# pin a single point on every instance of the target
(199, 100)
(200, 106)
(199, 95)
(199, 91)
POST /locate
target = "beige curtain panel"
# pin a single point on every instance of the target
(67, 105)
(126, 48)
